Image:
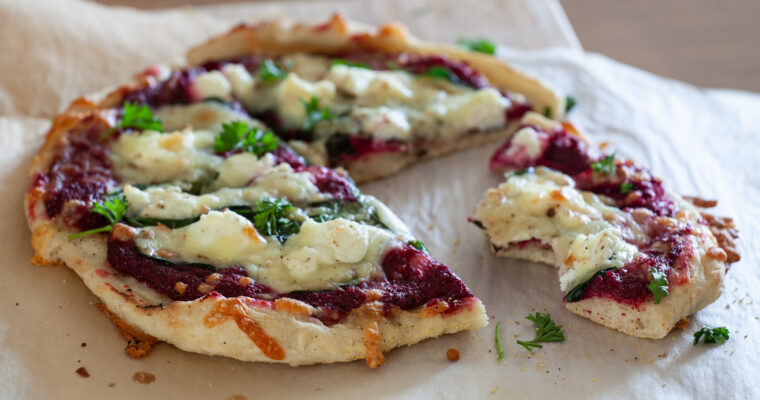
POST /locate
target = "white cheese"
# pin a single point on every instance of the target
(585, 234)
(207, 115)
(383, 123)
(293, 90)
(170, 202)
(152, 157)
(478, 110)
(320, 256)
(238, 170)
(212, 84)
(527, 139)
(370, 86)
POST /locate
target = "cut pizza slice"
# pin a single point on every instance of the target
(370, 100)
(632, 255)
(197, 226)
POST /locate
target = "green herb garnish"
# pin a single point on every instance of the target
(570, 102)
(546, 331)
(605, 166)
(418, 245)
(659, 285)
(497, 340)
(440, 73)
(271, 219)
(135, 116)
(315, 113)
(522, 172)
(575, 293)
(113, 209)
(626, 187)
(237, 135)
(270, 72)
(347, 63)
(547, 112)
(711, 335)
(480, 45)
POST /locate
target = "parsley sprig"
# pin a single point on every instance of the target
(441, 73)
(659, 285)
(480, 45)
(546, 331)
(626, 187)
(237, 135)
(113, 209)
(270, 72)
(315, 113)
(271, 219)
(497, 341)
(418, 245)
(570, 102)
(711, 335)
(136, 116)
(605, 165)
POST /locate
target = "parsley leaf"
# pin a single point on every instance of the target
(418, 245)
(480, 45)
(440, 73)
(136, 116)
(522, 172)
(711, 335)
(315, 113)
(626, 187)
(570, 102)
(547, 112)
(238, 135)
(659, 285)
(270, 218)
(546, 331)
(606, 165)
(347, 63)
(270, 72)
(113, 209)
(497, 340)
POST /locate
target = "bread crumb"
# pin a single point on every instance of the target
(683, 324)
(452, 354)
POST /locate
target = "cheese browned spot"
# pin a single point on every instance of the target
(139, 343)
(431, 310)
(370, 314)
(293, 306)
(234, 309)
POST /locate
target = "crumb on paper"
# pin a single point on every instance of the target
(84, 344)
(452, 354)
(143, 377)
(111, 384)
(236, 397)
(493, 391)
(683, 324)
(139, 343)
(82, 371)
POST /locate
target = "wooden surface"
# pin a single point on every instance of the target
(704, 42)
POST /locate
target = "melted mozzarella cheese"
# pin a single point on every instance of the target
(293, 91)
(320, 256)
(585, 234)
(212, 84)
(170, 202)
(528, 139)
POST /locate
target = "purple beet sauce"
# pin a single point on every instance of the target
(564, 152)
(412, 279)
(330, 182)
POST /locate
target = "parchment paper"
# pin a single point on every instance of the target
(702, 142)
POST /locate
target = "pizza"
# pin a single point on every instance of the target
(208, 205)
(631, 254)
(371, 101)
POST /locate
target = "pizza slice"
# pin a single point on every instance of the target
(632, 255)
(195, 225)
(370, 100)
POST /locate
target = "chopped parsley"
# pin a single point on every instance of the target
(711, 335)
(659, 285)
(522, 172)
(135, 116)
(111, 208)
(270, 72)
(546, 331)
(570, 102)
(605, 165)
(626, 187)
(480, 45)
(418, 245)
(237, 135)
(547, 112)
(497, 340)
(347, 63)
(271, 219)
(440, 73)
(315, 113)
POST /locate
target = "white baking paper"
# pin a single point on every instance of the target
(701, 142)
